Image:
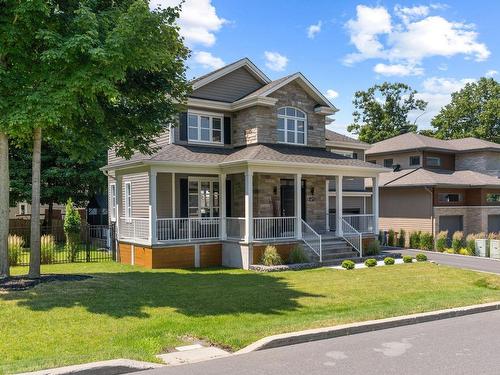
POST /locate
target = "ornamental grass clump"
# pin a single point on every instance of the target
(271, 256)
(402, 238)
(414, 240)
(457, 241)
(470, 244)
(72, 221)
(426, 241)
(47, 248)
(441, 241)
(373, 248)
(298, 255)
(15, 248)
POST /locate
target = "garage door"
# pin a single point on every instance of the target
(451, 223)
(493, 223)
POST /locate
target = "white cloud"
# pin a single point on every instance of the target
(491, 73)
(198, 20)
(397, 70)
(314, 29)
(331, 94)
(207, 60)
(418, 36)
(443, 67)
(275, 61)
(437, 93)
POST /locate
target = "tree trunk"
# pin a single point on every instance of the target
(34, 271)
(4, 205)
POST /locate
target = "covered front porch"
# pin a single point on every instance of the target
(244, 204)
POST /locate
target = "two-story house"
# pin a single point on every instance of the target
(246, 165)
(437, 184)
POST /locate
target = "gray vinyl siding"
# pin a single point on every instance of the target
(229, 88)
(164, 195)
(348, 203)
(350, 184)
(140, 194)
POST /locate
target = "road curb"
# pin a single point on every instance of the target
(300, 337)
(439, 253)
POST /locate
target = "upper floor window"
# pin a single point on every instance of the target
(292, 124)
(347, 153)
(433, 161)
(414, 160)
(204, 127)
(388, 163)
(493, 198)
(449, 198)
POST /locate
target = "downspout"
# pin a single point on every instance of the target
(431, 192)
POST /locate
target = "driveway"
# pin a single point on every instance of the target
(465, 345)
(460, 261)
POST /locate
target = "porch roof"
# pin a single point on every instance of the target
(220, 156)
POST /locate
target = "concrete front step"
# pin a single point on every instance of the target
(343, 255)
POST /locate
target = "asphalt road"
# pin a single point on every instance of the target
(472, 263)
(465, 345)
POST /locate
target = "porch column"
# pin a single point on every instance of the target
(248, 206)
(173, 195)
(338, 204)
(222, 205)
(153, 236)
(298, 205)
(327, 214)
(375, 204)
(118, 203)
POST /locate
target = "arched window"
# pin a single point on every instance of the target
(292, 124)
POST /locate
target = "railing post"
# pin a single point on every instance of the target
(339, 204)
(189, 229)
(360, 245)
(320, 250)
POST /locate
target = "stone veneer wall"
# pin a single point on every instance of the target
(475, 219)
(483, 162)
(258, 124)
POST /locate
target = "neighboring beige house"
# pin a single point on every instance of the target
(247, 165)
(438, 185)
(23, 211)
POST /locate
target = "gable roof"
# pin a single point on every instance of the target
(414, 141)
(436, 177)
(244, 62)
(337, 139)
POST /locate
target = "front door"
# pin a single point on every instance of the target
(287, 194)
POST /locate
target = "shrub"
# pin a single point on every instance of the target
(449, 250)
(426, 241)
(372, 262)
(402, 238)
(470, 243)
(381, 237)
(271, 256)
(47, 248)
(414, 240)
(373, 248)
(298, 255)
(389, 261)
(72, 222)
(464, 251)
(441, 240)
(457, 241)
(421, 257)
(391, 238)
(15, 247)
(407, 259)
(348, 264)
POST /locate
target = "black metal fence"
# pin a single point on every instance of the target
(95, 243)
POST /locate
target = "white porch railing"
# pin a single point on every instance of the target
(312, 239)
(267, 228)
(187, 229)
(134, 228)
(352, 236)
(364, 223)
(235, 228)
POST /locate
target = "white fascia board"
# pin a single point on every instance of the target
(209, 104)
(250, 102)
(231, 107)
(230, 68)
(324, 110)
(356, 146)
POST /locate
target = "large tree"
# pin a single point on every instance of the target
(474, 111)
(87, 72)
(381, 112)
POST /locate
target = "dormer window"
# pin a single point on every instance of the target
(204, 127)
(292, 125)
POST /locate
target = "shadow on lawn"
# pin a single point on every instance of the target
(194, 293)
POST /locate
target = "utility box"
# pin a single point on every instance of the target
(482, 247)
(495, 249)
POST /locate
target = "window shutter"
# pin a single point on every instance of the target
(184, 196)
(228, 198)
(227, 130)
(183, 128)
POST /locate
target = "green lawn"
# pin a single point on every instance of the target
(129, 312)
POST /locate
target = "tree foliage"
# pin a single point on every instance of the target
(474, 111)
(381, 112)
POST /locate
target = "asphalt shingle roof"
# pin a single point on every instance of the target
(337, 137)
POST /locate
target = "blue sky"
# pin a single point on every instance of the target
(345, 46)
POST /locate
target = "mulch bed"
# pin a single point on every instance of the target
(17, 283)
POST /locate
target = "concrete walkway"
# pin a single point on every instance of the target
(454, 260)
(464, 345)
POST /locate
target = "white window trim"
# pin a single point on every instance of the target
(199, 180)
(128, 201)
(112, 193)
(295, 118)
(211, 116)
(21, 205)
